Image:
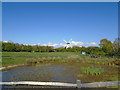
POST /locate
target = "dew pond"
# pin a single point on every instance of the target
(66, 72)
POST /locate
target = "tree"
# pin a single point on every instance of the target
(9, 46)
(116, 47)
(106, 46)
(60, 49)
(35, 48)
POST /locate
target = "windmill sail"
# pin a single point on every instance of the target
(70, 40)
(68, 44)
(65, 41)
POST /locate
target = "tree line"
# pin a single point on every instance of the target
(105, 48)
(15, 47)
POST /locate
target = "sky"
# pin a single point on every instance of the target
(49, 23)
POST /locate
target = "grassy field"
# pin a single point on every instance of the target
(13, 58)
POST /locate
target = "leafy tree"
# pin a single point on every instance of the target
(35, 48)
(116, 47)
(76, 49)
(106, 46)
(60, 49)
(17, 47)
(9, 46)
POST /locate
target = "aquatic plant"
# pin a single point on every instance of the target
(92, 71)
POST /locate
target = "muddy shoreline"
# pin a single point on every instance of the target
(10, 66)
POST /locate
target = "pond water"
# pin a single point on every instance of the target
(58, 72)
(47, 72)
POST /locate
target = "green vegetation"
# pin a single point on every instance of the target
(103, 69)
(11, 58)
(15, 47)
(93, 70)
(87, 60)
(107, 48)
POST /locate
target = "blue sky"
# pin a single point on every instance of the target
(51, 23)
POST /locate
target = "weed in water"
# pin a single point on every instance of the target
(92, 71)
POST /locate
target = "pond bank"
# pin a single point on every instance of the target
(11, 66)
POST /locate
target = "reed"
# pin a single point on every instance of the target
(92, 70)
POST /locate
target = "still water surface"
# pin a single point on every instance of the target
(47, 72)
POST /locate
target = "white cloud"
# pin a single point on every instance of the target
(77, 43)
(92, 43)
(44, 44)
(51, 44)
(73, 43)
(6, 41)
(26, 44)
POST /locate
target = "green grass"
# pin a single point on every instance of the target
(93, 70)
(11, 58)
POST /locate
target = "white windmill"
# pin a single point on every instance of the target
(68, 44)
